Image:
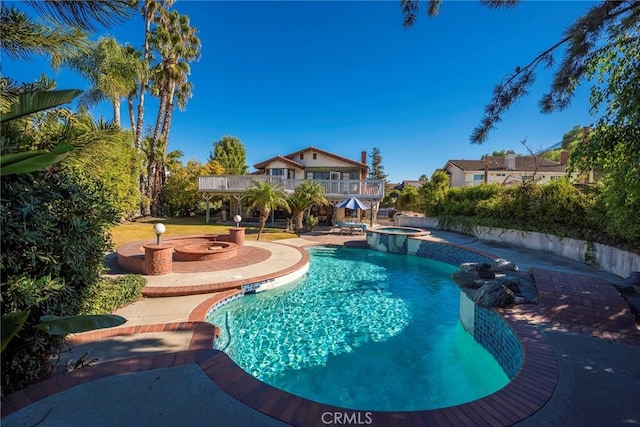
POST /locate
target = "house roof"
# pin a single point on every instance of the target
(295, 154)
(408, 182)
(264, 163)
(497, 163)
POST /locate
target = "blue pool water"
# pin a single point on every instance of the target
(362, 330)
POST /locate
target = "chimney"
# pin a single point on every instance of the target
(363, 157)
(510, 160)
(564, 157)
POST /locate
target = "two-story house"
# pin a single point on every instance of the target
(505, 170)
(340, 177)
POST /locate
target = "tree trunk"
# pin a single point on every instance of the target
(132, 119)
(116, 111)
(166, 125)
(264, 216)
(162, 109)
(140, 122)
(299, 216)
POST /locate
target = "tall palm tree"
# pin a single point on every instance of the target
(177, 44)
(149, 9)
(302, 200)
(265, 197)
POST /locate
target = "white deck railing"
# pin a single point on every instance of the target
(227, 184)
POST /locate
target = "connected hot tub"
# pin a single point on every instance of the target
(392, 239)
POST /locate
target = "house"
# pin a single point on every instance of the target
(505, 170)
(340, 177)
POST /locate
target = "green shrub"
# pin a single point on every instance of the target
(54, 231)
(25, 360)
(111, 293)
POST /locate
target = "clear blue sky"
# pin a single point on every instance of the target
(347, 77)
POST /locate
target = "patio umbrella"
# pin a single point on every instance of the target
(352, 203)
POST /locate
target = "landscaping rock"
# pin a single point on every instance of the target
(493, 294)
(513, 283)
(466, 279)
(500, 265)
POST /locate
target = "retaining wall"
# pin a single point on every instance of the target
(614, 260)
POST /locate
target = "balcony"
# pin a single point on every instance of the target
(334, 189)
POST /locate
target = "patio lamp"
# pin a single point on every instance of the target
(159, 229)
(237, 219)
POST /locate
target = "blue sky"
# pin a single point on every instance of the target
(347, 77)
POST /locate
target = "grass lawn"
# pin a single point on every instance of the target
(143, 230)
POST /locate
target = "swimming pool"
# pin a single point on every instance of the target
(363, 330)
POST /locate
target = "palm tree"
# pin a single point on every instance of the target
(302, 200)
(265, 197)
(113, 70)
(67, 22)
(149, 9)
(177, 44)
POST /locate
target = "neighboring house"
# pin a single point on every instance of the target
(408, 183)
(340, 177)
(505, 170)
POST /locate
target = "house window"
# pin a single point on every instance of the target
(277, 172)
(301, 156)
(315, 156)
(478, 177)
(309, 175)
(527, 178)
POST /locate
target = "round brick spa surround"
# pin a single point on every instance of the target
(210, 251)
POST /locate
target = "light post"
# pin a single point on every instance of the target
(237, 219)
(159, 229)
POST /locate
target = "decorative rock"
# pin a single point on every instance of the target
(465, 278)
(512, 283)
(493, 294)
(501, 265)
(485, 274)
(522, 300)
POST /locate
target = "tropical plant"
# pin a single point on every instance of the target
(265, 197)
(177, 44)
(149, 10)
(112, 69)
(305, 196)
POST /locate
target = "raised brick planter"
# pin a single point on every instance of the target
(158, 259)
